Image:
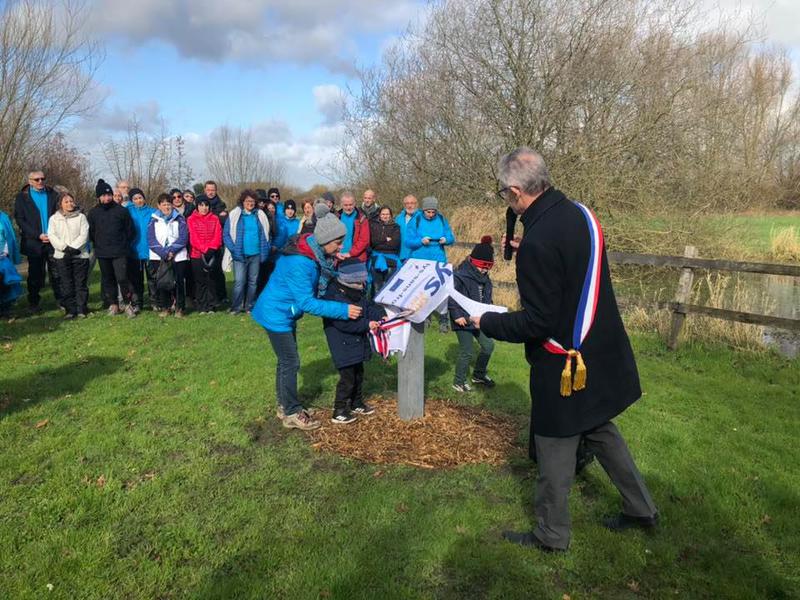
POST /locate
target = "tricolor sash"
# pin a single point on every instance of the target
(587, 307)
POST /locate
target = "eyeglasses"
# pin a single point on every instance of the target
(274, 195)
(503, 193)
(37, 178)
(177, 197)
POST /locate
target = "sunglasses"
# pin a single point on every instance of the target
(177, 197)
(37, 178)
(274, 196)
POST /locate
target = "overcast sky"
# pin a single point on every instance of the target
(280, 67)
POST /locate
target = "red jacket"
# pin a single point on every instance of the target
(205, 233)
(360, 246)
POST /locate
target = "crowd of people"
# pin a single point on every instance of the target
(328, 257)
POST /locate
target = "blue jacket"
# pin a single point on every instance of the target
(291, 292)
(286, 228)
(348, 340)
(8, 237)
(141, 220)
(237, 248)
(400, 219)
(419, 227)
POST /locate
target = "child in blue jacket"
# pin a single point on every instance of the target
(348, 341)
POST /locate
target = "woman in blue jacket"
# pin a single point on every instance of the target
(428, 233)
(301, 276)
(139, 259)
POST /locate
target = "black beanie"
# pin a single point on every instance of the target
(290, 204)
(484, 252)
(133, 191)
(102, 188)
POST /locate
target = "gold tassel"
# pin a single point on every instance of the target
(566, 377)
(580, 373)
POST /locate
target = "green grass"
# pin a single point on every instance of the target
(754, 231)
(206, 496)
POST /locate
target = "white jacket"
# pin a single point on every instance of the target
(72, 232)
(167, 230)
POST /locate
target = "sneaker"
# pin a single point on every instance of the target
(462, 387)
(69, 317)
(114, 310)
(34, 309)
(444, 328)
(130, 311)
(82, 315)
(164, 313)
(342, 416)
(300, 420)
(362, 408)
(279, 413)
(483, 380)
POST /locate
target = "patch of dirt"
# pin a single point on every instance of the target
(447, 436)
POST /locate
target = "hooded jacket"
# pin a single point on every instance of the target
(140, 248)
(71, 230)
(291, 290)
(474, 285)
(419, 227)
(111, 230)
(167, 234)
(29, 220)
(205, 233)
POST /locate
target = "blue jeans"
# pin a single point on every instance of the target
(245, 272)
(285, 347)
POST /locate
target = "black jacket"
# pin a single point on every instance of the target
(348, 340)
(474, 285)
(29, 221)
(378, 234)
(551, 266)
(111, 230)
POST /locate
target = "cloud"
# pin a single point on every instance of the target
(254, 31)
(117, 118)
(330, 101)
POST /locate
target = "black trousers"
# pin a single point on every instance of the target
(113, 273)
(264, 271)
(138, 271)
(73, 274)
(204, 288)
(218, 276)
(349, 391)
(166, 298)
(38, 267)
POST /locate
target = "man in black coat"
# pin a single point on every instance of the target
(551, 269)
(33, 207)
(112, 232)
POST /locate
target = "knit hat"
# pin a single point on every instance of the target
(482, 255)
(321, 209)
(290, 204)
(352, 270)
(271, 191)
(328, 228)
(133, 191)
(329, 197)
(430, 203)
(102, 188)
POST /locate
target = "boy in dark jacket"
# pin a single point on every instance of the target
(471, 278)
(348, 340)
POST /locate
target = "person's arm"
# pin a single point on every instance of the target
(152, 241)
(183, 238)
(83, 234)
(92, 227)
(456, 312)
(540, 276)
(412, 237)
(26, 226)
(448, 236)
(301, 287)
(226, 236)
(216, 238)
(130, 228)
(55, 239)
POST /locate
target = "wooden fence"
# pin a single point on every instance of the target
(688, 263)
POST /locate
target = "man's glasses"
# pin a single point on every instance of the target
(503, 193)
(37, 178)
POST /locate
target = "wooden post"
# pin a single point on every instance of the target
(682, 296)
(411, 376)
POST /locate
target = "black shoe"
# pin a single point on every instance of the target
(34, 309)
(621, 522)
(483, 380)
(529, 540)
(342, 416)
(362, 408)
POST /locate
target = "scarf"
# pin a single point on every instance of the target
(327, 272)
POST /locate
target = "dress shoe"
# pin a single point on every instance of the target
(621, 522)
(527, 539)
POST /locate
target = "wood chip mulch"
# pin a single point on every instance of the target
(447, 436)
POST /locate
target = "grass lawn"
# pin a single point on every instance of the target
(754, 231)
(157, 470)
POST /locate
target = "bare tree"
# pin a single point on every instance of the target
(47, 60)
(144, 159)
(181, 172)
(234, 159)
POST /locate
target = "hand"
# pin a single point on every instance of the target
(442, 241)
(170, 255)
(418, 302)
(373, 325)
(223, 213)
(461, 322)
(342, 255)
(514, 243)
(353, 311)
(476, 322)
(43, 238)
(426, 241)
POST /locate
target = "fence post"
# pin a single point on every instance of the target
(682, 296)
(411, 376)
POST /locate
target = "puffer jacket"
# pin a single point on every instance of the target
(205, 233)
(233, 234)
(348, 340)
(401, 223)
(419, 227)
(292, 289)
(168, 234)
(141, 220)
(69, 231)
